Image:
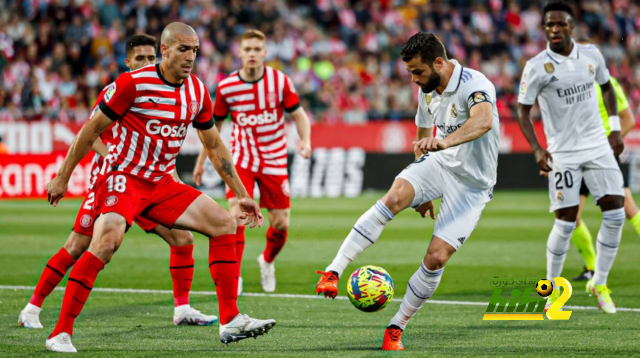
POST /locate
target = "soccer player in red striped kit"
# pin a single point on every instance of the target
(153, 107)
(257, 96)
(141, 52)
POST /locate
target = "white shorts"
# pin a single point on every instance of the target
(461, 205)
(601, 175)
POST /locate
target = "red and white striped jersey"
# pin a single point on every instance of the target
(257, 108)
(107, 138)
(153, 117)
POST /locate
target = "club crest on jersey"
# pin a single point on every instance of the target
(592, 70)
(86, 221)
(549, 67)
(428, 98)
(193, 107)
(110, 92)
(111, 201)
(523, 87)
(560, 196)
(454, 111)
(479, 97)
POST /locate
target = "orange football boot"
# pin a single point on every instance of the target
(392, 339)
(328, 284)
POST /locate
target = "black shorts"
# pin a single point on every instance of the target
(624, 168)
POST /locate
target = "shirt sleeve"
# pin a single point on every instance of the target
(220, 107)
(290, 100)
(423, 118)
(204, 119)
(119, 97)
(623, 103)
(529, 85)
(602, 73)
(476, 91)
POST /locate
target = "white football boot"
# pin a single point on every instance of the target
(30, 317)
(242, 327)
(267, 274)
(189, 316)
(61, 343)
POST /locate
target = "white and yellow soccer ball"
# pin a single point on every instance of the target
(370, 288)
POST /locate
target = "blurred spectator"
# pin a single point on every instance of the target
(4, 149)
(342, 55)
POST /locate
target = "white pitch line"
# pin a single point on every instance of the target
(291, 295)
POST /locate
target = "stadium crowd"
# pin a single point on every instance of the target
(343, 55)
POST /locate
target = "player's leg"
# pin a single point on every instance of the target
(630, 207)
(418, 183)
(275, 196)
(118, 205)
(604, 178)
(181, 266)
(459, 213)
(248, 180)
(58, 264)
(581, 238)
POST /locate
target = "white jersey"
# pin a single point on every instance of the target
(474, 163)
(565, 90)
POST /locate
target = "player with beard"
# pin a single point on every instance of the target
(458, 165)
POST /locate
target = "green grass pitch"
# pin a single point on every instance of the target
(508, 242)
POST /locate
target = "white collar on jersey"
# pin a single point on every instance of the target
(558, 58)
(456, 77)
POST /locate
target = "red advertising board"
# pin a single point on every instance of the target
(26, 176)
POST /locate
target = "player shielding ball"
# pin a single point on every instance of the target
(562, 79)
(141, 52)
(459, 165)
(256, 97)
(153, 107)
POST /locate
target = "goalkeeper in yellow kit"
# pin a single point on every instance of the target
(581, 235)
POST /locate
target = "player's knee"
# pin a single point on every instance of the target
(611, 202)
(181, 237)
(226, 224)
(396, 200)
(436, 260)
(280, 223)
(77, 244)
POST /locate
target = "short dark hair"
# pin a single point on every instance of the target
(557, 6)
(140, 40)
(424, 44)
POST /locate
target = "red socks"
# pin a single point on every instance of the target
(224, 272)
(181, 267)
(81, 280)
(275, 242)
(240, 247)
(51, 276)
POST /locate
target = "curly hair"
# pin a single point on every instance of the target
(557, 6)
(424, 44)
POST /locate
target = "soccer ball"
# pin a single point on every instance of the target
(544, 287)
(370, 288)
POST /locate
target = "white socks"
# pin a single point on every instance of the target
(364, 234)
(421, 286)
(607, 244)
(557, 247)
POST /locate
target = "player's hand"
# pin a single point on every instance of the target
(428, 144)
(56, 189)
(426, 207)
(304, 149)
(616, 143)
(544, 174)
(250, 212)
(543, 158)
(198, 172)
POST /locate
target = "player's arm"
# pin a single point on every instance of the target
(198, 169)
(627, 121)
(303, 126)
(611, 104)
(420, 134)
(222, 161)
(100, 148)
(543, 157)
(80, 146)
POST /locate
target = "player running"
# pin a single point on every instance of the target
(459, 165)
(141, 51)
(581, 236)
(562, 79)
(153, 107)
(257, 96)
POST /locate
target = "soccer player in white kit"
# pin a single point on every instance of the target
(561, 78)
(458, 165)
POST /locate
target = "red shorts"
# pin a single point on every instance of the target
(88, 214)
(274, 189)
(144, 201)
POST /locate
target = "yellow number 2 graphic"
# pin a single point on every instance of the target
(554, 311)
